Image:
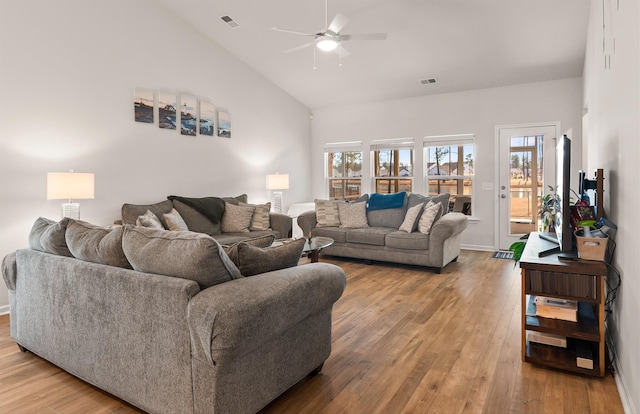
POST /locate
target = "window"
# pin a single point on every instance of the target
(449, 168)
(393, 165)
(344, 170)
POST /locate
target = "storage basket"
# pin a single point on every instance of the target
(591, 248)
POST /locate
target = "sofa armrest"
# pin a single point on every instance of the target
(237, 317)
(449, 225)
(9, 271)
(307, 222)
(281, 223)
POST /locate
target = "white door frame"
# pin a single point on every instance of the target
(549, 168)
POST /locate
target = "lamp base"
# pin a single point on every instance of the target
(277, 201)
(71, 210)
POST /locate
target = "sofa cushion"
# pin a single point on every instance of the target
(237, 218)
(242, 198)
(131, 212)
(174, 221)
(183, 254)
(410, 222)
(260, 219)
(196, 220)
(149, 220)
(429, 216)
(407, 241)
(339, 235)
(49, 236)
(96, 244)
(254, 260)
(327, 213)
(353, 215)
(415, 199)
(390, 217)
(384, 201)
(261, 241)
(370, 235)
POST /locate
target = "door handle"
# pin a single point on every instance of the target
(503, 196)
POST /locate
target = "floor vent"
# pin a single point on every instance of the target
(228, 20)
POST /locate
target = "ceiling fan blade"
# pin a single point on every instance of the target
(341, 51)
(338, 23)
(299, 47)
(365, 36)
(277, 29)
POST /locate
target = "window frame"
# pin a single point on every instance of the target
(342, 147)
(460, 141)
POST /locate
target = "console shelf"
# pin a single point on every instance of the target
(580, 280)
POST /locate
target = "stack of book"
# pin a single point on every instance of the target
(555, 308)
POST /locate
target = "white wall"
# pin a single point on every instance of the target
(68, 70)
(612, 135)
(476, 112)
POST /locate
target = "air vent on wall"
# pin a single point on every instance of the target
(228, 20)
(428, 81)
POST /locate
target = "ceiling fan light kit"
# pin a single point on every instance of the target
(330, 39)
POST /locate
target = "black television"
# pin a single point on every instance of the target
(563, 231)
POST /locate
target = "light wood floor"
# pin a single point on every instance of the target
(404, 340)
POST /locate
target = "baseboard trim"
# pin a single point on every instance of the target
(477, 247)
(4, 310)
(621, 384)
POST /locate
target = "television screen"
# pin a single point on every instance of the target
(563, 226)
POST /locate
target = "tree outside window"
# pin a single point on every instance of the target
(393, 170)
(450, 169)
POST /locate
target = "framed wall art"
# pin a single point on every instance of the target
(167, 110)
(207, 117)
(143, 105)
(224, 124)
(188, 119)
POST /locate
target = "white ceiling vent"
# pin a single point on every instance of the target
(428, 81)
(228, 20)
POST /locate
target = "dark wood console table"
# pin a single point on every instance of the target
(579, 280)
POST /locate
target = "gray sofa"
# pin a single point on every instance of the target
(280, 224)
(157, 339)
(382, 240)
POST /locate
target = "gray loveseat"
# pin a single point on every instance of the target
(381, 238)
(187, 334)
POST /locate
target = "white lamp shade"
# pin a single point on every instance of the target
(278, 182)
(70, 186)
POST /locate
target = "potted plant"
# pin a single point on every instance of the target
(549, 207)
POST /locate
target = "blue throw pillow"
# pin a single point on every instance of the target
(384, 201)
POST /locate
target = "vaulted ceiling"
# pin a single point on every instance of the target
(463, 44)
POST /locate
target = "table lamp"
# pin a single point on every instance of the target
(70, 186)
(277, 182)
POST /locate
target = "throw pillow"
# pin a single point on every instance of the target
(410, 219)
(260, 219)
(183, 254)
(255, 260)
(48, 236)
(327, 213)
(242, 198)
(384, 201)
(150, 220)
(262, 241)
(429, 216)
(353, 215)
(236, 219)
(96, 244)
(196, 221)
(131, 212)
(174, 221)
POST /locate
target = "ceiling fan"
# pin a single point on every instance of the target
(330, 39)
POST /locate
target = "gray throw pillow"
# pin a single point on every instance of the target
(255, 260)
(174, 221)
(150, 220)
(183, 254)
(96, 244)
(237, 219)
(48, 236)
(262, 241)
(353, 215)
(327, 213)
(260, 219)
